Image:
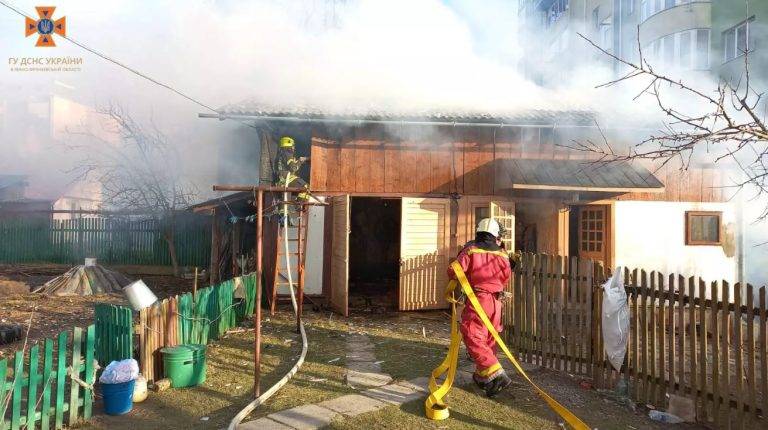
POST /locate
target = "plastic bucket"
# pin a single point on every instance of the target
(118, 398)
(139, 295)
(184, 365)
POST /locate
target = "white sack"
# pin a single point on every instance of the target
(615, 318)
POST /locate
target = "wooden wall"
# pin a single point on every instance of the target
(377, 159)
(695, 184)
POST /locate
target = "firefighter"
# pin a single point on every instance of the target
(288, 165)
(487, 267)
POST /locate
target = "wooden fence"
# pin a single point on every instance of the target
(114, 333)
(111, 240)
(704, 341)
(194, 319)
(51, 396)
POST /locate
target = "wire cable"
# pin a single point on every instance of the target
(129, 68)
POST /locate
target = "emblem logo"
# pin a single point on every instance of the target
(45, 27)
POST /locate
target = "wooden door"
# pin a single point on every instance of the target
(424, 246)
(504, 214)
(593, 232)
(339, 297)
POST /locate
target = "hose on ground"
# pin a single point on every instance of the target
(304, 345)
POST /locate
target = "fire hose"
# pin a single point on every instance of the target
(304, 345)
(434, 406)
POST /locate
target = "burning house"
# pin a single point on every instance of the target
(406, 190)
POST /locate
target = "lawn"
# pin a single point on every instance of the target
(406, 345)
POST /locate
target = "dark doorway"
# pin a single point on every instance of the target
(374, 253)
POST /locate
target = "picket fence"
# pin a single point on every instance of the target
(114, 333)
(192, 319)
(53, 396)
(111, 240)
(704, 341)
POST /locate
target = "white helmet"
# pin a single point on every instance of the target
(489, 225)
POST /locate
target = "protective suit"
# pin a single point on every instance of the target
(488, 270)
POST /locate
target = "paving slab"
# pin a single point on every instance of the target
(356, 378)
(306, 417)
(364, 366)
(353, 404)
(263, 424)
(361, 356)
(393, 394)
(419, 384)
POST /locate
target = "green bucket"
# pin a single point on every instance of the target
(184, 365)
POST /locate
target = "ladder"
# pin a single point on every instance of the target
(296, 251)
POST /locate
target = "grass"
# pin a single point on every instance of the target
(407, 345)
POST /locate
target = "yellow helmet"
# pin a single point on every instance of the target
(286, 142)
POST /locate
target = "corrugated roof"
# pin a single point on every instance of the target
(9, 180)
(575, 175)
(531, 116)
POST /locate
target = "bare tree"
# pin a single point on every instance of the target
(728, 118)
(138, 170)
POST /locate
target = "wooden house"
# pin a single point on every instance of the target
(406, 191)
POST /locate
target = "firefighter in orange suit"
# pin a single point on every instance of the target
(487, 267)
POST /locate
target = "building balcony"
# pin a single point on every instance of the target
(685, 16)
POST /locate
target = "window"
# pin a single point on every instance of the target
(556, 10)
(703, 228)
(702, 49)
(736, 41)
(688, 50)
(481, 212)
(596, 18)
(606, 36)
(668, 43)
(630, 7)
(685, 50)
(645, 9)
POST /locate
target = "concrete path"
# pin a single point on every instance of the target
(363, 371)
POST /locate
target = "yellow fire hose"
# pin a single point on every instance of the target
(435, 407)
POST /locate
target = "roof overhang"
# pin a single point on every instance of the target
(575, 176)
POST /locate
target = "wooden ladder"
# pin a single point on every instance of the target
(297, 243)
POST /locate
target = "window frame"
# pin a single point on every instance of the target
(690, 242)
(734, 46)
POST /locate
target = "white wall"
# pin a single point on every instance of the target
(313, 268)
(651, 236)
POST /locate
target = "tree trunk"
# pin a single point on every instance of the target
(172, 253)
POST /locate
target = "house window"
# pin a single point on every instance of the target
(736, 41)
(592, 229)
(606, 36)
(481, 212)
(703, 228)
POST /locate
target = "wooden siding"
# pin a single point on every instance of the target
(445, 160)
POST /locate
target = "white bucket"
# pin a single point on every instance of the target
(139, 295)
(90, 262)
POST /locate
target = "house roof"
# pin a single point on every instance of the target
(575, 175)
(256, 109)
(11, 180)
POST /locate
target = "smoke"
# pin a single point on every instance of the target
(453, 55)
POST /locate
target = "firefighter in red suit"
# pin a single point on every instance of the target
(487, 267)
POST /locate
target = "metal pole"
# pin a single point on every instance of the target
(300, 270)
(257, 305)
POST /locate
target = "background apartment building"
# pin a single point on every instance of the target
(688, 37)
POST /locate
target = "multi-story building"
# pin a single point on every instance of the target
(737, 26)
(675, 33)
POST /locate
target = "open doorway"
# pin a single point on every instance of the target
(374, 253)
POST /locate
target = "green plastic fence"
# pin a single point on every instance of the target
(48, 396)
(112, 241)
(114, 333)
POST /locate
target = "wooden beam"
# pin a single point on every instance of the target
(254, 188)
(580, 188)
(257, 305)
